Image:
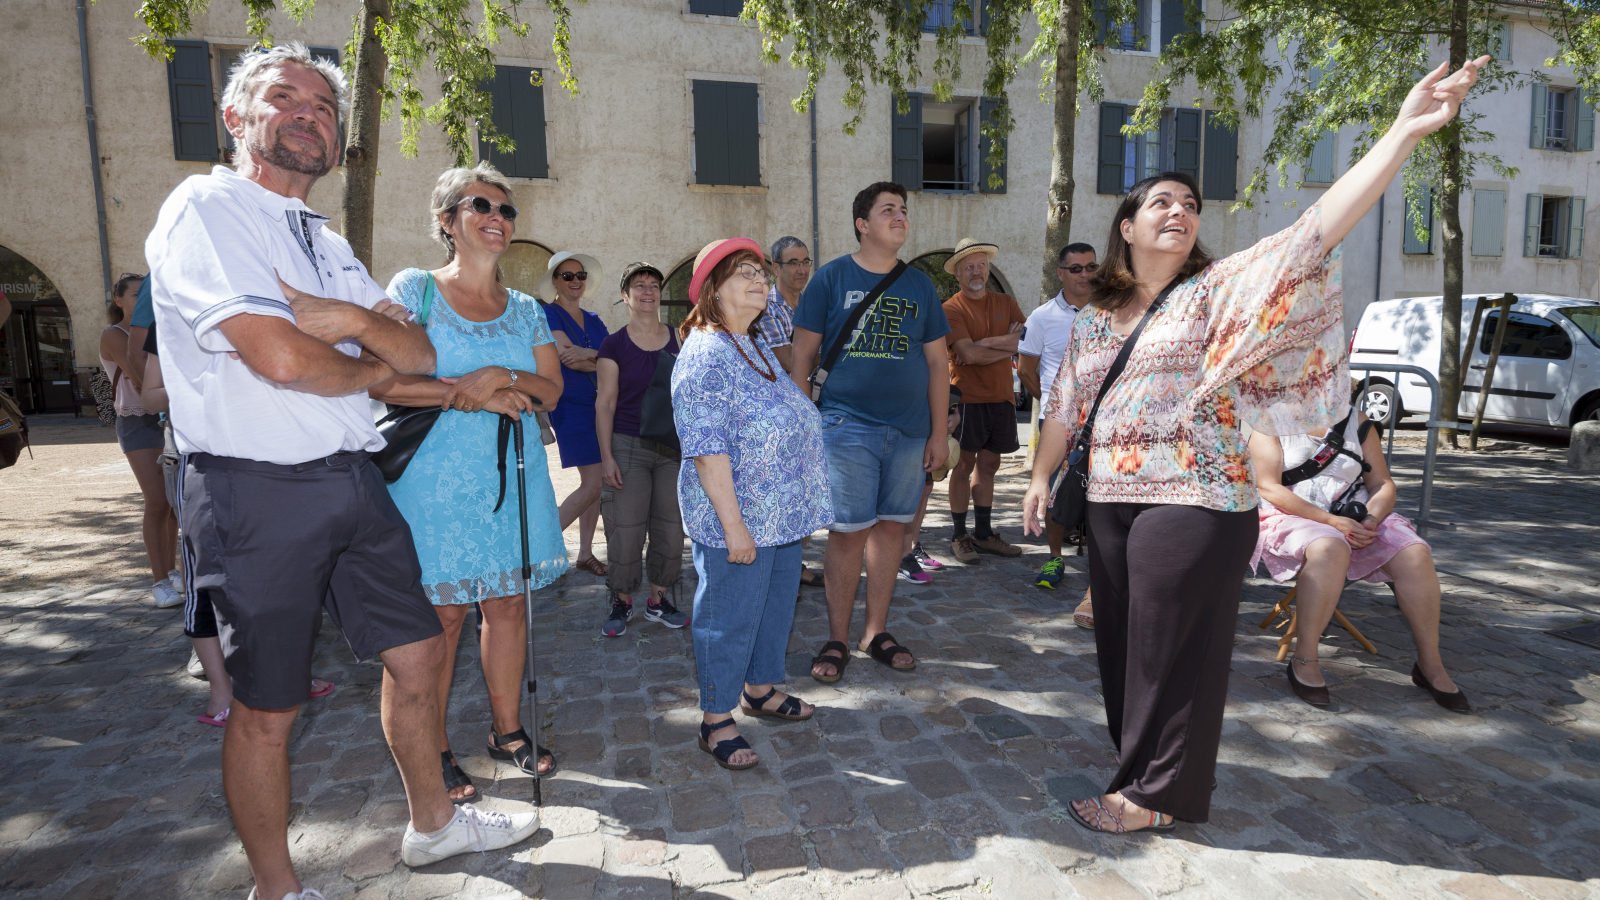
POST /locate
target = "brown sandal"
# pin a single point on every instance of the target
(884, 648)
(593, 565)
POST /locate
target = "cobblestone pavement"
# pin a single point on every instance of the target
(947, 782)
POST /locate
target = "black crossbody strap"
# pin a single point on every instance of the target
(852, 328)
(503, 438)
(1121, 362)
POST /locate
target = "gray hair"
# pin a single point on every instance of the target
(450, 190)
(782, 244)
(247, 74)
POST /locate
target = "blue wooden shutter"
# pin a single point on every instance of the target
(906, 142)
(1530, 224)
(1221, 181)
(1585, 135)
(1103, 26)
(964, 172)
(331, 54)
(743, 134)
(1186, 142)
(987, 107)
(1536, 132)
(983, 17)
(1173, 22)
(1575, 228)
(1320, 168)
(716, 7)
(1488, 223)
(1413, 243)
(194, 109)
(1112, 117)
(710, 132)
(518, 110)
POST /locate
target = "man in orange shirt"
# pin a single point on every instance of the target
(985, 327)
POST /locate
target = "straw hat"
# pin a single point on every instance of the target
(966, 248)
(547, 286)
(716, 252)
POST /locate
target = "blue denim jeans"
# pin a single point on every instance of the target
(874, 471)
(742, 617)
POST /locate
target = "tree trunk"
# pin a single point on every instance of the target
(361, 148)
(1058, 217)
(1454, 246)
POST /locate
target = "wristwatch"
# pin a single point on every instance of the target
(513, 376)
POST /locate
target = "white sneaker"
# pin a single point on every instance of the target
(470, 829)
(175, 577)
(194, 668)
(166, 595)
(307, 894)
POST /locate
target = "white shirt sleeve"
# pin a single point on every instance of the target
(205, 257)
(1032, 343)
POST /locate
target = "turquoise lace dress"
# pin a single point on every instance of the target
(447, 494)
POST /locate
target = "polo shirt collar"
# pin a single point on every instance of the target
(273, 203)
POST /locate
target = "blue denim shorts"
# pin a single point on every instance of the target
(874, 471)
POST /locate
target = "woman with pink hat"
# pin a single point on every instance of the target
(758, 485)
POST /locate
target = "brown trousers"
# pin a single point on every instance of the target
(1166, 583)
(647, 503)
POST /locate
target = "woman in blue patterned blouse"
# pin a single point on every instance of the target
(758, 485)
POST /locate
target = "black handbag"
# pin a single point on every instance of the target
(1072, 492)
(655, 408)
(404, 428)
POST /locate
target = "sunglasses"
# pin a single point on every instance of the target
(483, 207)
(1075, 269)
(573, 276)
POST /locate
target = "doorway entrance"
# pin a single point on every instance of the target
(36, 345)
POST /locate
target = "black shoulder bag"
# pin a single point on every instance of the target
(404, 428)
(1072, 494)
(655, 408)
(851, 330)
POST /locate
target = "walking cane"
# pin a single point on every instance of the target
(527, 599)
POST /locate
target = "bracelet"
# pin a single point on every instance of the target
(513, 376)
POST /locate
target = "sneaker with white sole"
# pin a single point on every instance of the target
(469, 829)
(660, 609)
(617, 622)
(166, 595)
(911, 571)
(176, 577)
(924, 560)
(194, 668)
(305, 894)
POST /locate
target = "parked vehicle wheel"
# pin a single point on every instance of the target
(1591, 413)
(1381, 404)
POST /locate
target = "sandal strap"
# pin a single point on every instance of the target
(454, 776)
(789, 707)
(840, 660)
(883, 647)
(521, 734)
(757, 704)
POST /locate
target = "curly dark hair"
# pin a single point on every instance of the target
(1116, 284)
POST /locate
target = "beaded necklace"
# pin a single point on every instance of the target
(771, 374)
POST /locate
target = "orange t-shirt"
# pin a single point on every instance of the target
(975, 320)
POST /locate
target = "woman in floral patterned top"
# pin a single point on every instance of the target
(1256, 337)
(758, 485)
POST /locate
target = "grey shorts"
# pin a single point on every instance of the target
(270, 545)
(139, 432)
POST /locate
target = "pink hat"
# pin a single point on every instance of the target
(716, 252)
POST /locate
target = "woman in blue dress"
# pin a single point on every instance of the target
(496, 358)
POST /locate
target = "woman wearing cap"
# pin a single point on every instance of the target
(495, 358)
(639, 476)
(758, 485)
(570, 279)
(1256, 337)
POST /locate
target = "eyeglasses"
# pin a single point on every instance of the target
(798, 263)
(753, 272)
(483, 207)
(1075, 269)
(573, 276)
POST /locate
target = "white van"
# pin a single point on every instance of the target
(1548, 372)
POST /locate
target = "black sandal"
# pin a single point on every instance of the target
(788, 709)
(724, 750)
(883, 648)
(816, 579)
(520, 756)
(838, 662)
(455, 778)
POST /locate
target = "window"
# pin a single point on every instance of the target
(1131, 35)
(1174, 19)
(1526, 336)
(940, 146)
(1417, 237)
(194, 106)
(727, 133)
(1221, 172)
(716, 7)
(1587, 318)
(1324, 160)
(1553, 227)
(946, 12)
(1500, 41)
(518, 114)
(1124, 160)
(1563, 119)
(1488, 223)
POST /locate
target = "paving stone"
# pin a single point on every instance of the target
(697, 807)
(999, 727)
(897, 810)
(570, 869)
(775, 856)
(1009, 788)
(1510, 763)
(1326, 796)
(763, 811)
(95, 816)
(823, 803)
(902, 728)
(1477, 886)
(936, 779)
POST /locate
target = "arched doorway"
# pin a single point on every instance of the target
(523, 264)
(675, 303)
(946, 284)
(36, 345)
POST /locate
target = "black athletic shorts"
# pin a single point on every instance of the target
(272, 545)
(988, 426)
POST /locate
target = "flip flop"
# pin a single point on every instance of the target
(327, 688)
(220, 719)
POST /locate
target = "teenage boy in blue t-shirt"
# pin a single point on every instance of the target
(883, 410)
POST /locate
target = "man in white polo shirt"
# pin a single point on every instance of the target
(1044, 342)
(270, 332)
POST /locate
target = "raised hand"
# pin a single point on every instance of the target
(1436, 99)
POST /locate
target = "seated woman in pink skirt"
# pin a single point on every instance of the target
(1361, 538)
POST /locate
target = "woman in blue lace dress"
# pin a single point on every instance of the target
(496, 357)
